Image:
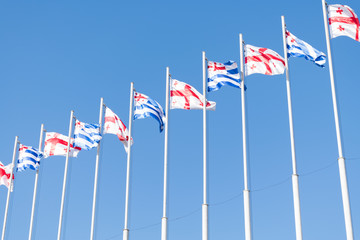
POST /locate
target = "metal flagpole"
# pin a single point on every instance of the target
(10, 187)
(295, 176)
(246, 188)
(96, 173)
(341, 159)
(65, 176)
(126, 230)
(164, 218)
(205, 206)
(35, 185)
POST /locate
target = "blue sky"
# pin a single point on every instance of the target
(62, 56)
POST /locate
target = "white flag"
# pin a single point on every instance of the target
(184, 96)
(56, 145)
(343, 22)
(263, 60)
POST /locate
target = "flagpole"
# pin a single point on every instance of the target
(246, 185)
(126, 230)
(35, 185)
(65, 176)
(96, 173)
(295, 176)
(10, 187)
(341, 159)
(205, 206)
(164, 218)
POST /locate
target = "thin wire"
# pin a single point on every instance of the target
(234, 197)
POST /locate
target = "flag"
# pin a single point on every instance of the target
(184, 96)
(56, 145)
(114, 125)
(263, 60)
(87, 136)
(29, 157)
(343, 21)
(220, 74)
(5, 172)
(146, 107)
(298, 48)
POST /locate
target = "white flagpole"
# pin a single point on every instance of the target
(126, 230)
(65, 176)
(246, 187)
(35, 185)
(10, 187)
(205, 206)
(295, 176)
(341, 159)
(164, 218)
(96, 173)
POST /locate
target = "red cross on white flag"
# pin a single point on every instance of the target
(343, 22)
(5, 172)
(184, 96)
(114, 125)
(56, 145)
(263, 60)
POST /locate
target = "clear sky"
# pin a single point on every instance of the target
(62, 56)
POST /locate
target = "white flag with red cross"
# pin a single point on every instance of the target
(56, 144)
(5, 172)
(343, 21)
(114, 125)
(184, 96)
(263, 60)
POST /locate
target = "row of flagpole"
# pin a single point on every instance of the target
(205, 207)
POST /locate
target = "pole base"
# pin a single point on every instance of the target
(126, 234)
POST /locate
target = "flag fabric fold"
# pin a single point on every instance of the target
(5, 173)
(263, 60)
(87, 136)
(147, 107)
(113, 125)
(29, 157)
(220, 74)
(56, 145)
(298, 48)
(184, 96)
(343, 21)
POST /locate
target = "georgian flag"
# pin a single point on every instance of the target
(147, 107)
(184, 96)
(5, 173)
(298, 48)
(114, 125)
(263, 60)
(29, 157)
(56, 145)
(87, 136)
(220, 74)
(343, 21)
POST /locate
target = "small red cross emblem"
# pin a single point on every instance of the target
(339, 11)
(341, 28)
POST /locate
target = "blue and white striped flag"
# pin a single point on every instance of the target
(220, 74)
(146, 107)
(87, 136)
(298, 48)
(29, 157)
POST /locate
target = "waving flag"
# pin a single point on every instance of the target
(114, 125)
(343, 22)
(263, 60)
(56, 145)
(5, 172)
(184, 96)
(29, 157)
(298, 48)
(87, 136)
(146, 107)
(220, 74)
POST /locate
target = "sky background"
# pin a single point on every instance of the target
(62, 56)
